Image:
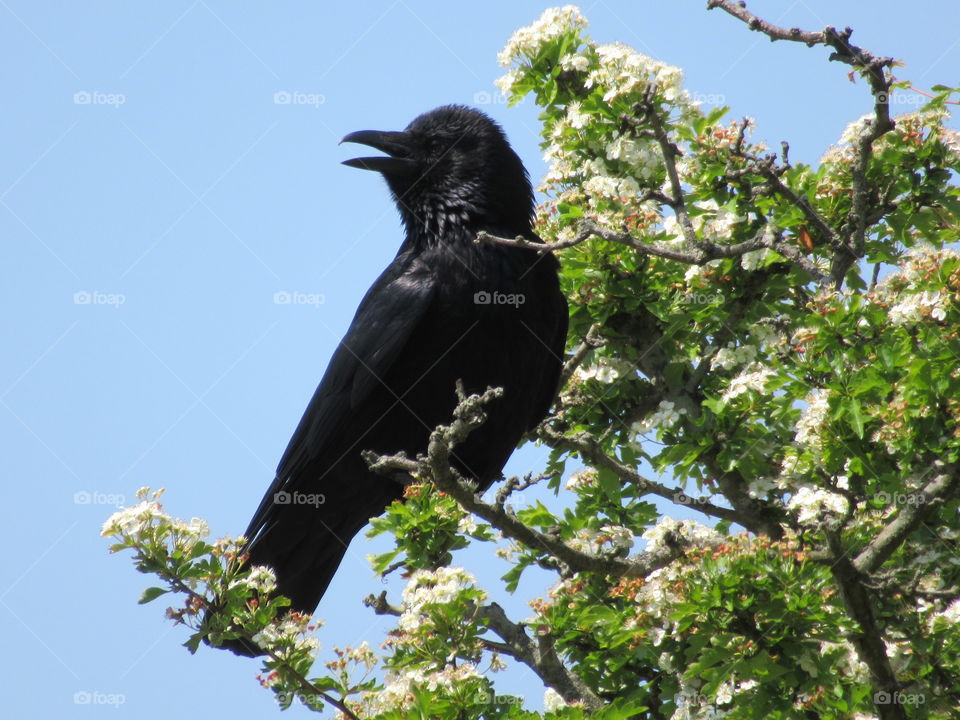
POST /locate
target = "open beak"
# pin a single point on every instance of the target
(398, 147)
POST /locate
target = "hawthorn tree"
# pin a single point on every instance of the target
(778, 342)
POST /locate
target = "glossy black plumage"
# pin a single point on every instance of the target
(421, 326)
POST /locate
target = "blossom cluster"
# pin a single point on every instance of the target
(428, 588)
(612, 539)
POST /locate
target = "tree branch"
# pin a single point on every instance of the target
(933, 495)
(588, 449)
(869, 641)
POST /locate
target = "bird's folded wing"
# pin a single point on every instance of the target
(388, 314)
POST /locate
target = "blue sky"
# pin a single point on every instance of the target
(155, 197)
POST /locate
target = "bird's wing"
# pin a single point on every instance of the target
(555, 343)
(386, 317)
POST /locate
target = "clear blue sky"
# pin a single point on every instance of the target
(198, 198)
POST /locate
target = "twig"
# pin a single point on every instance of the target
(591, 341)
(589, 228)
(592, 453)
(306, 686)
(874, 68)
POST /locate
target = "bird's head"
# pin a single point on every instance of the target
(451, 167)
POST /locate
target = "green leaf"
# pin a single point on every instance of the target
(855, 415)
(193, 643)
(151, 593)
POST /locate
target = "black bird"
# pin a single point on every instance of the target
(446, 308)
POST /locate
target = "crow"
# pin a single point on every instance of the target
(447, 308)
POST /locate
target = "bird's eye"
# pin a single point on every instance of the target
(434, 145)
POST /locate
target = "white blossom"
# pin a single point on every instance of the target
(581, 478)
(609, 538)
(665, 416)
(915, 307)
(526, 41)
(397, 693)
(733, 355)
(290, 632)
(553, 701)
(431, 587)
(261, 579)
(725, 692)
(811, 502)
(573, 61)
(605, 370)
(812, 418)
(467, 524)
(751, 260)
(752, 378)
(697, 534)
(575, 117)
(760, 487)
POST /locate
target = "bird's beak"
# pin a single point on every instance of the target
(397, 145)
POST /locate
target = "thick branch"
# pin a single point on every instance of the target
(869, 641)
(933, 495)
(468, 416)
(540, 655)
(506, 521)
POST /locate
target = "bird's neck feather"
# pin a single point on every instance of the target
(443, 220)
